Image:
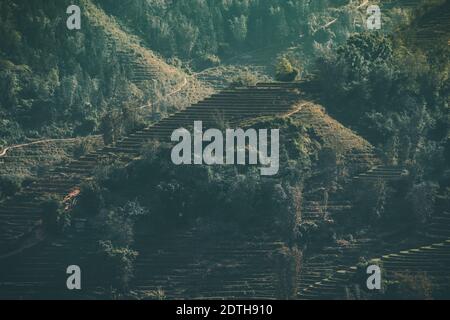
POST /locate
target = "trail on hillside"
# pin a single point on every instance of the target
(5, 150)
(177, 90)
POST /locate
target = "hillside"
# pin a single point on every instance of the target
(433, 27)
(45, 66)
(90, 174)
(306, 130)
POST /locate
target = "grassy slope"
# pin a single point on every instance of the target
(123, 41)
(33, 159)
(326, 132)
(170, 79)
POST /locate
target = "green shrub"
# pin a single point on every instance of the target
(83, 147)
(287, 200)
(422, 199)
(285, 71)
(372, 198)
(115, 265)
(244, 79)
(410, 286)
(207, 61)
(90, 200)
(56, 218)
(10, 185)
(111, 126)
(288, 262)
(117, 224)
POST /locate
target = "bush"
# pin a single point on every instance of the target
(90, 200)
(244, 79)
(288, 262)
(111, 127)
(422, 199)
(152, 295)
(117, 224)
(372, 199)
(285, 71)
(56, 218)
(287, 200)
(318, 232)
(410, 286)
(132, 119)
(207, 61)
(83, 147)
(116, 265)
(10, 185)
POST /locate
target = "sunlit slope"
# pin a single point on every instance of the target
(144, 64)
(324, 132)
(143, 67)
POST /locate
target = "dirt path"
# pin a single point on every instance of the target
(180, 88)
(5, 150)
(297, 109)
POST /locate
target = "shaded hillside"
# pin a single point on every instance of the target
(213, 267)
(432, 28)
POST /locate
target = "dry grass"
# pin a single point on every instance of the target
(331, 132)
(30, 160)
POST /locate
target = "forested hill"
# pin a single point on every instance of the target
(208, 30)
(58, 82)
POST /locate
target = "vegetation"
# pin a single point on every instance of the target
(285, 71)
(244, 78)
(288, 264)
(119, 266)
(102, 78)
(10, 185)
(392, 94)
(56, 218)
(58, 82)
(207, 29)
(410, 286)
(397, 97)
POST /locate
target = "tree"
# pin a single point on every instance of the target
(288, 261)
(56, 218)
(111, 127)
(422, 199)
(285, 71)
(116, 265)
(10, 185)
(238, 28)
(287, 203)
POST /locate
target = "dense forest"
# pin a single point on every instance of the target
(393, 94)
(221, 28)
